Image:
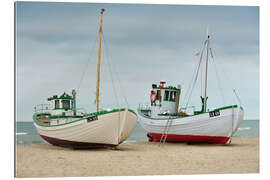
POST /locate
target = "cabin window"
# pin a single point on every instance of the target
(166, 96)
(66, 104)
(158, 95)
(56, 104)
(173, 96)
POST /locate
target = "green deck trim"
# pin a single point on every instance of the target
(176, 115)
(64, 116)
(198, 112)
(183, 116)
(63, 109)
(130, 110)
(54, 98)
(80, 117)
(107, 112)
(36, 121)
(140, 113)
(145, 110)
(43, 113)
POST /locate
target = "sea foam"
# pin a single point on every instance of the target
(244, 128)
(21, 133)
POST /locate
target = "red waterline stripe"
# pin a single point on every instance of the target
(190, 138)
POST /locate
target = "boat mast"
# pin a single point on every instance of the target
(206, 71)
(98, 65)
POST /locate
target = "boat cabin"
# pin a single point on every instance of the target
(63, 105)
(164, 99)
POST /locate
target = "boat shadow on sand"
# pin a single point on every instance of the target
(216, 145)
(136, 146)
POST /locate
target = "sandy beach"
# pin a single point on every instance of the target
(138, 158)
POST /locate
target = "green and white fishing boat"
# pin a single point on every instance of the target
(60, 123)
(164, 121)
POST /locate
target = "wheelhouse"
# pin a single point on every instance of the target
(164, 99)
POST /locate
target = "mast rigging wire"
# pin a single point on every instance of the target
(110, 70)
(87, 64)
(196, 76)
(218, 78)
(116, 73)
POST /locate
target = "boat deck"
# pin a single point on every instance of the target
(147, 113)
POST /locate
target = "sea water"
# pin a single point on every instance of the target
(26, 132)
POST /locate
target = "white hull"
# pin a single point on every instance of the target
(196, 127)
(109, 129)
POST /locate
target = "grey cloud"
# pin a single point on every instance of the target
(146, 43)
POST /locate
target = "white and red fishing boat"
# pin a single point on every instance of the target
(60, 123)
(164, 121)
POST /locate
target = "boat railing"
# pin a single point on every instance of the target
(80, 111)
(42, 108)
(187, 110)
(144, 107)
(45, 108)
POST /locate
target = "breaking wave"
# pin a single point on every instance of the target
(21, 133)
(244, 128)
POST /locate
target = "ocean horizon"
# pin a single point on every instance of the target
(26, 132)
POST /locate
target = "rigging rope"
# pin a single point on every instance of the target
(201, 81)
(193, 84)
(196, 76)
(84, 71)
(112, 76)
(189, 87)
(192, 79)
(218, 78)
(226, 77)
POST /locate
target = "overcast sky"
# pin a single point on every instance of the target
(57, 42)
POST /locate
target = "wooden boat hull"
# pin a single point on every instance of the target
(108, 129)
(202, 128)
(74, 144)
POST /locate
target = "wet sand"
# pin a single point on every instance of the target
(138, 159)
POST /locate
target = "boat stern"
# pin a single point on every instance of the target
(238, 118)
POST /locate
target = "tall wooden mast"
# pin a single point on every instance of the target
(206, 71)
(98, 65)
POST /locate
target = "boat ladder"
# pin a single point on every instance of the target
(165, 132)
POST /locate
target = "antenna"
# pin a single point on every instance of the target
(207, 30)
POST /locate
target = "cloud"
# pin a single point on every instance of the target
(57, 43)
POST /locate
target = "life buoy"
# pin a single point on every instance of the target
(153, 96)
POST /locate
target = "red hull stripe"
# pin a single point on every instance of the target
(74, 144)
(190, 138)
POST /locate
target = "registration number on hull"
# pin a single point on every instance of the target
(92, 118)
(214, 113)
